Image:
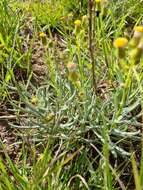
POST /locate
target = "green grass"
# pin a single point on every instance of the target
(69, 135)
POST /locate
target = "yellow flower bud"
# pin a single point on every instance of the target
(77, 23)
(42, 35)
(98, 1)
(49, 117)
(34, 100)
(98, 7)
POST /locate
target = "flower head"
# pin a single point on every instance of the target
(98, 1)
(77, 23)
(34, 100)
(138, 33)
(49, 117)
(42, 35)
(138, 29)
(120, 42)
(101, 2)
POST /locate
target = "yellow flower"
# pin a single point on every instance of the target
(98, 1)
(138, 33)
(34, 100)
(49, 117)
(138, 29)
(43, 38)
(42, 35)
(120, 42)
(102, 2)
(77, 23)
